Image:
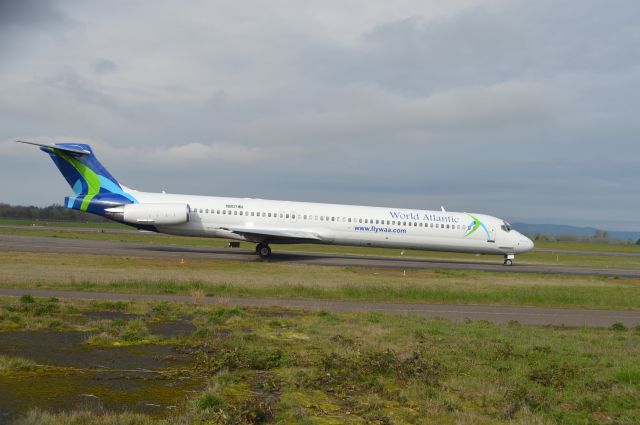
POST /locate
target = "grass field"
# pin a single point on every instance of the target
(560, 259)
(290, 280)
(292, 367)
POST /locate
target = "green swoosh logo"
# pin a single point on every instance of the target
(92, 179)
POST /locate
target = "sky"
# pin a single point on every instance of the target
(526, 110)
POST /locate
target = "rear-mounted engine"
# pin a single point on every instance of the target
(151, 214)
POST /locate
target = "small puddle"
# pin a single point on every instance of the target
(172, 328)
(109, 315)
(67, 349)
(115, 378)
(149, 394)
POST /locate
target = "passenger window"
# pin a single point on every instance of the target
(240, 212)
(349, 219)
(269, 214)
(287, 216)
(333, 219)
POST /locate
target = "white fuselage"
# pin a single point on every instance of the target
(220, 217)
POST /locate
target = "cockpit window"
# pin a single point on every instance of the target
(506, 226)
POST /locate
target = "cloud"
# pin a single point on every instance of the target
(103, 66)
(371, 111)
(513, 108)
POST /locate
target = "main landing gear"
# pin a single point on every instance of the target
(508, 259)
(263, 250)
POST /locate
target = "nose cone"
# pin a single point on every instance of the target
(523, 243)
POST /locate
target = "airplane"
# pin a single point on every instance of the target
(267, 222)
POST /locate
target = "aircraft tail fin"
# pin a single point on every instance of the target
(93, 186)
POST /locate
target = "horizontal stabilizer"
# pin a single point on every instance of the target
(62, 148)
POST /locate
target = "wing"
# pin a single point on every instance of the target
(264, 233)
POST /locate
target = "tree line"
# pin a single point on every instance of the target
(53, 212)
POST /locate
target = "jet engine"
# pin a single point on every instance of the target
(152, 214)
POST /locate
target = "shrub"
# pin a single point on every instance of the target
(553, 375)
(27, 299)
(362, 369)
(326, 315)
(134, 331)
(253, 358)
(43, 309)
(221, 315)
(161, 309)
(209, 400)
(618, 326)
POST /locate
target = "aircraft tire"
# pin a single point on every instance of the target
(263, 250)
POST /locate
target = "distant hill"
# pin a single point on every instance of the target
(564, 230)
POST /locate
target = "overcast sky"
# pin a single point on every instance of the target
(527, 110)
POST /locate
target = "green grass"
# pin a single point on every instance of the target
(289, 280)
(290, 366)
(16, 364)
(589, 246)
(119, 333)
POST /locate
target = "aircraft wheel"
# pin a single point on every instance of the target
(263, 250)
(508, 262)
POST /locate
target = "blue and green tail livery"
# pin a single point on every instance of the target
(93, 186)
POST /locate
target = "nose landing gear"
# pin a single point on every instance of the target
(263, 250)
(508, 259)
